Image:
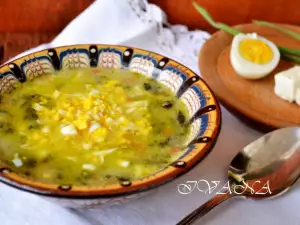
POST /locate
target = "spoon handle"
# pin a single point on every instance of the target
(205, 208)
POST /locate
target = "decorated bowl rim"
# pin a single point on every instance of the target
(123, 190)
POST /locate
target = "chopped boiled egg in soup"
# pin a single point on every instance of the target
(253, 56)
(84, 127)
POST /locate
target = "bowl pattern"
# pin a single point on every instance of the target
(204, 110)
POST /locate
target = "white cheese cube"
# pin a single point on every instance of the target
(297, 98)
(286, 83)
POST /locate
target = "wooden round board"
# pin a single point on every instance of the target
(253, 101)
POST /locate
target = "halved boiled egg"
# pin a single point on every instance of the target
(252, 56)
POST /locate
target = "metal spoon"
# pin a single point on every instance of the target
(266, 168)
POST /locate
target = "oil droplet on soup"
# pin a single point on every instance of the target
(91, 127)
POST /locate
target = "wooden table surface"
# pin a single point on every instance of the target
(11, 43)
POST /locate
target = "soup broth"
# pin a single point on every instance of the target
(91, 127)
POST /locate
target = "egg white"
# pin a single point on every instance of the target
(249, 69)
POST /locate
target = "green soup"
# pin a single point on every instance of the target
(91, 127)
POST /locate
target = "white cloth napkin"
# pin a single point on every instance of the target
(139, 24)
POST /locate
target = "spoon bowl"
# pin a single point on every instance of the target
(265, 168)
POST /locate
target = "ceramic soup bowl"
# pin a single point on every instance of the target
(204, 116)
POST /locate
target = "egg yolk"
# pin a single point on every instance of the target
(255, 51)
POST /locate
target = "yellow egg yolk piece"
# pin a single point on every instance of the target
(255, 51)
